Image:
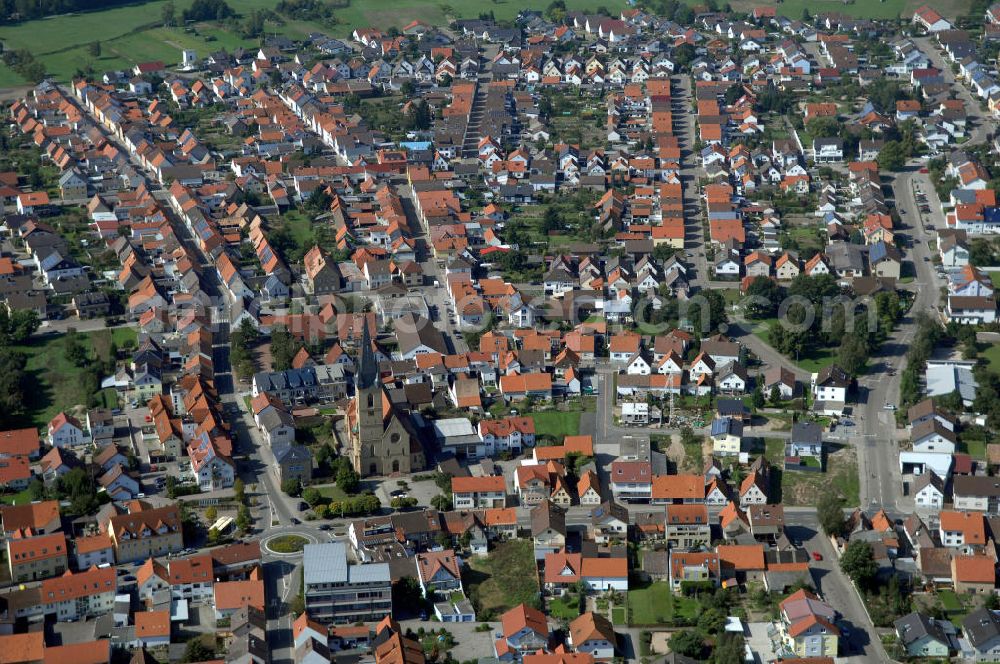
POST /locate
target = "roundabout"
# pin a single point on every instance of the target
(287, 544)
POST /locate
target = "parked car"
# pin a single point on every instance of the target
(817, 555)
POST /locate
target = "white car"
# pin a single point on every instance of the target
(889, 406)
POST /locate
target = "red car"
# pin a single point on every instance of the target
(817, 556)
(923, 170)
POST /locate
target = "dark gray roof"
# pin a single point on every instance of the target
(914, 626)
(287, 453)
(807, 432)
(981, 627)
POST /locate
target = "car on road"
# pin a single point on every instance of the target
(923, 170)
(296, 522)
(303, 506)
(817, 555)
(325, 526)
(889, 406)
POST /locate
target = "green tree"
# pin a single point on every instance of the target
(684, 54)
(239, 491)
(312, 496)
(892, 157)
(94, 49)
(830, 510)
(442, 502)
(168, 15)
(77, 487)
(758, 397)
(711, 621)
(196, 650)
(213, 536)
(687, 643)
(729, 649)
(858, 562)
(18, 325)
(243, 519)
(73, 348)
(762, 298)
(775, 396)
(13, 381)
(824, 127)
(852, 354)
(211, 513)
(347, 479)
(292, 487)
(283, 348)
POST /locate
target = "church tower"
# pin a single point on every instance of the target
(382, 440)
(368, 406)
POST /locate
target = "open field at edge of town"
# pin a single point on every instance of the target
(133, 33)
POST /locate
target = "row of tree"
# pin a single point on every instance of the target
(23, 10)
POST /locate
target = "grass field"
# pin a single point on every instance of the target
(992, 357)
(875, 9)
(557, 424)
(133, 33)
(655, 604)
(504, 579)
(56, 384)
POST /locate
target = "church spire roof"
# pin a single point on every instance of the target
(367, 375)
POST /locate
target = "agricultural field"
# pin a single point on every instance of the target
(853, 8)
(134, 33)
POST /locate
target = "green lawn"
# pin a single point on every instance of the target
(655, 604)
(992, 357)
(564, 608)
(949, 600)
(974, 448)
(20, 498)
(556, 424)
(505, 578)
(618, 614)
(56, 383)
(331, 491)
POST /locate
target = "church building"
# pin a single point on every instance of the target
(383, 441)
